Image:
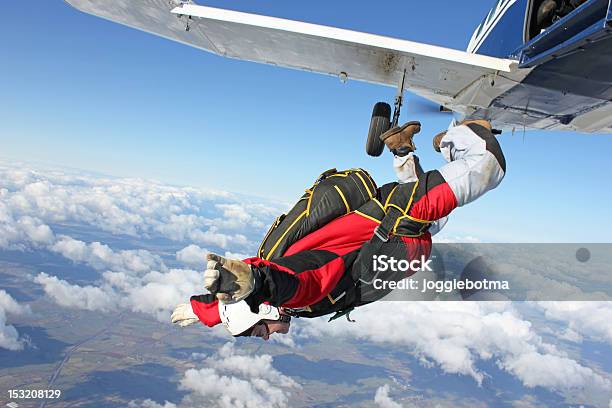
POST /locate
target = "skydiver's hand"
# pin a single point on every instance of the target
(437, 140)
(401, 136)
(183, 315)
(229, 280)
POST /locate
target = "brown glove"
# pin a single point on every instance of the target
(401, 136)
(438, 138)
(229, 280)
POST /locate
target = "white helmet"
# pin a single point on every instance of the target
(238, 318)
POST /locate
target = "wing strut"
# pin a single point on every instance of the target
(399, 100)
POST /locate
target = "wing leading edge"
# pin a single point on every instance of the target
(458, 80)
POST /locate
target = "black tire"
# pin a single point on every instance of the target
(380, 123)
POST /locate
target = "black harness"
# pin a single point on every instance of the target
(355, 288)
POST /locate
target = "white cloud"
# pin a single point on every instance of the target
(230, 379)
(383, 400)
(192, 255)
(80, 297)
(455, 335)
(157, 293)
(36, 231)
(9, 338)
(592, 319)
(22, 232)
(101, 257)
(553, 372)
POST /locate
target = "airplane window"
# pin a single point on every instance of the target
(545, 13)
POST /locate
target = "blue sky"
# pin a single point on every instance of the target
(82, 92)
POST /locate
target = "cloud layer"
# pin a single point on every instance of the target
(33, 203)
(38, 208)
(32, 200)
(456, 335)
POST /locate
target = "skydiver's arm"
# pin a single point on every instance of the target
(475, 165)
(276, 285)
(206, 308)
(296, 281)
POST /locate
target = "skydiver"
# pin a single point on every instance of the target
(324, 274)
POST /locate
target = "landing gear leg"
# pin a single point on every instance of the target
(399, 100)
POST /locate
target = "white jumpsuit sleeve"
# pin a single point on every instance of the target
(476, 162)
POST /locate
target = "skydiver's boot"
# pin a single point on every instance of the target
(399, 139)
(438, 138)
(229, 280)
(482, 122)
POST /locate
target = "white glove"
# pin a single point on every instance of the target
(406, 168)
(183, 315)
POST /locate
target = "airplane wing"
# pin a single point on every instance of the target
(458, 80)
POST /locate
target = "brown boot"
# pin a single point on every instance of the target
(482, 122)
(401, 136)
(438, 138)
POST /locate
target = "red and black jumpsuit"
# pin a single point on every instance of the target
(312, 268)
